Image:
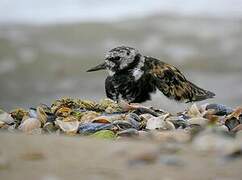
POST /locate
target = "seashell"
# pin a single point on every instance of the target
(69, 119)
(109, 106)
(178, 121)
(237, 128)
(111, 110)
(29, 125)
(232, 123)
(51, 117)
(146, 117)
(144, 110)
(2, 124)
(64, 102)
(157, 122)
(89, 128)
(50, 127)
(63, 112)
(213, 119)
(169, 126)
(134, 117)
(104, 134)
(131, 132)
(68, 127)
(32, 113)
(41, 115)
(5, 117)
(101, 119)
(219, 109)
(86, 104)
(18, 114)
(135, 124)
(236, 114)
(108, 118)
(104, 103)
(194, 111)
(198, 121)
(89, 116)
(122, 124)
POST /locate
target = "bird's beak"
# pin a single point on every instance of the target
(98, 67)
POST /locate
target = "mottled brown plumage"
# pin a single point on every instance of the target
(173, 83)
(134, 77)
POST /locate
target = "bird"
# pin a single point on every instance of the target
(133, 77)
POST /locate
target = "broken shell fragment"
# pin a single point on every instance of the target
(108, 118)
(89, 128)
(121, 124)
(18, 115)
(101, 119)
(41, 115)
(194, 111)
(89, 116)
(63, 112)
(219, 109)
(158, 122)
(232, 123)
(236, 114)
(29, 125)
(50, 127)
(134, 117)
(146, 117)
(104, 134)
(237, 128)
(178, 121)
(197, 121)
(86, 104)
(109, 106)
(2, 124)
(5, 117)
(135, 124)
(68, 127)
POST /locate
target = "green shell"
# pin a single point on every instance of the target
(104, 134)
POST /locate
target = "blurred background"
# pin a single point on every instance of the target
(46, 46)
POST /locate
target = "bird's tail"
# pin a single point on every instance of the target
(199, 94)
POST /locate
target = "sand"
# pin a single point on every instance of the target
(59, 157)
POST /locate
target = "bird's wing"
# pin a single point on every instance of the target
(173, 84)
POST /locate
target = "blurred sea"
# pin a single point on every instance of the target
(46, 46)
(59, 11)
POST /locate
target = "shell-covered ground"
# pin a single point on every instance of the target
(82, 139)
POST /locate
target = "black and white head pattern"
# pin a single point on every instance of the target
(122, 57)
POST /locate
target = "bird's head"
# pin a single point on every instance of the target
(118, 59)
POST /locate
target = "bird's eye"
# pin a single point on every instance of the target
(113, 59)
(128, 53)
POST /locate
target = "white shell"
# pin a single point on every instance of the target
(29, 125)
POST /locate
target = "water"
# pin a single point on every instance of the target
(56, 11)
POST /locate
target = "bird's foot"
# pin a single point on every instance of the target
(136, 106)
